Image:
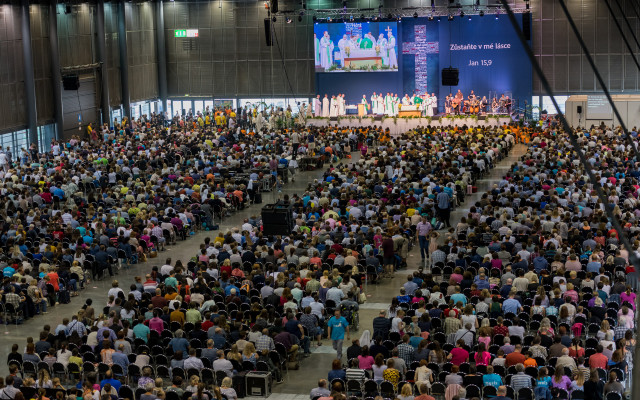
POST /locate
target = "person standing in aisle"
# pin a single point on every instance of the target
(338, 325)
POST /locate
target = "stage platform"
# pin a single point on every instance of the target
(401, 125)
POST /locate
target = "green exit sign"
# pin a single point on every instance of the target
(186, 33)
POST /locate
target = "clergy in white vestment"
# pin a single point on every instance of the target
(426, 104)
(365, 103)
(308, 113)
(326, 51)
(342, 45)
(387, 104)
(333, 110)
(406, 101)
(391, 51)
(317, 106)
(382, 44)
(380, 104)
(325, 106)
(374, 103)
(434, 104)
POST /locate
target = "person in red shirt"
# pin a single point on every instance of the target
(424, 389)
(516, 357)
(500, 329)
(53, 279)
(598, 360)
(458, 355)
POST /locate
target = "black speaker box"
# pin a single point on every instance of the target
(579, 110)
(449, 76)
(277, 219)
(526, 25)
(70, 82)
(267, 32)
(274, 6)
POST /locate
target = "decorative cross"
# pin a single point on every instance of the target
(389, 30)
(420, 48)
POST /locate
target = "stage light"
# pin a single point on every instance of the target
(390, 16)
(274, 19)
(450, 18)
(329, 19)
(430, 18)
(469, 17)
(361, 16)
(415, 14)
(497, 16)
(314, 18)
(482, 13)
(300, 18)
(461, 14)
(438, 19)
(288, 20)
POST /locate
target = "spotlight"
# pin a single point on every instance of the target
(300, 18)
(450, 18)
(314, 18)
(329, 19)
(288, 20)
(350, 17)
(461, 14)
(274, 19)
(482, 13)
(469, 17)
(415, 14)
(439, 19)
(361, 16)
(497, 16)
(430, 18)
(390, 16)
(399, 18)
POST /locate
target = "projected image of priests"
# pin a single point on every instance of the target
(326, 50)
(368, 42)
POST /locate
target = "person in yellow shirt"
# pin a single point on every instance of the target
(218, 119)
(207, 120)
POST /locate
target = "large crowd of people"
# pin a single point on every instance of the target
(531, 280)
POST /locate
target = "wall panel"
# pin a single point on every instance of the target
(12, 93)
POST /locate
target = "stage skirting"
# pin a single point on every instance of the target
(401, 125)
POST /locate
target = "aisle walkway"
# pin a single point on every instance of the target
(299, 383)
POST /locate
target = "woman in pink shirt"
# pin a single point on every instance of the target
(365, 361)
(629, 296)
(156, 323)
(482, 356)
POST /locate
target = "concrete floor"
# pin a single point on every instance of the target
(297, 383)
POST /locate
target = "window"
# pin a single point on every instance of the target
(198, 106)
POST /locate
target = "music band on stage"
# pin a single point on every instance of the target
(474, 105)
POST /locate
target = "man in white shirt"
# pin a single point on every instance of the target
(166, 268)
(193, 362)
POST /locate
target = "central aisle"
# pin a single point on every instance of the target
(299, 383)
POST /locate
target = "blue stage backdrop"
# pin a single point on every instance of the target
(485, 50)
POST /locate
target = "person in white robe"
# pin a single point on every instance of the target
(374, 103)
(342, 45)
(406, 101)
(326, 51)
(380, 104)
(333, 110)
(365, 103)
(426, 104)
(325, 106)
(391, 51)
(308, 113)
(382, 44)
(316, 49)
(342, 105)
(434, 104)
(317, 106)
(387, 104)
